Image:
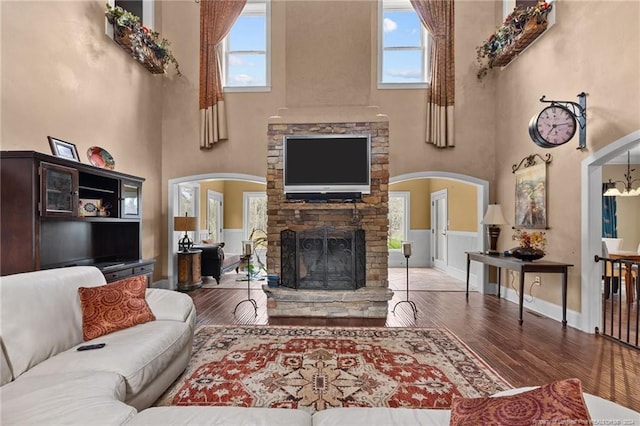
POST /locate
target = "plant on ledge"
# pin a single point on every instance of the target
(519, 29)
(143, 44)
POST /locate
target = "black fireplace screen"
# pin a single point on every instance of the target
(323, 259)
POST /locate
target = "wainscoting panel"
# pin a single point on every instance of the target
(459, 243)
(420, 251)
(232, 240)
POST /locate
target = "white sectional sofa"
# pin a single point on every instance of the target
(46, 381)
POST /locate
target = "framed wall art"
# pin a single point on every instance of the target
(63, 149)
(531, 194)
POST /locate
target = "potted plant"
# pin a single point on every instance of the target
(519, 29)
(143, 44)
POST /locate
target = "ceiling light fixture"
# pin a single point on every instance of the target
(628, 191)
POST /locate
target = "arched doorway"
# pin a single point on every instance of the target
(173, 185)
(591, 229)
(482, 188)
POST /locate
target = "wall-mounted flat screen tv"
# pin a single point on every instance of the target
(327, 164)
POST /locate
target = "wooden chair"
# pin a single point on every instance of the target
(610, 274)
(613, 244)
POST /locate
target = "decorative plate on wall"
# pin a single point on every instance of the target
(100, 157)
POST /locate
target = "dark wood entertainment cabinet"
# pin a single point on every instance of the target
(42, 226)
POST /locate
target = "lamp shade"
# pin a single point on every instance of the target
(494, 216)
(185, 223)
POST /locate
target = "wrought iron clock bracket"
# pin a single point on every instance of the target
(579, 111)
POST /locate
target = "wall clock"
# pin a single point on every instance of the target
(558, 122)
(555, 125)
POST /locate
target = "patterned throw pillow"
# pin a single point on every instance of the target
(114, 307)
(555, 403)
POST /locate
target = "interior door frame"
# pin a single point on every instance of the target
(438, 196)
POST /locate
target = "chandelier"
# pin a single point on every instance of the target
(612, 186)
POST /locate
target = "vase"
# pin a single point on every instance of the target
(527, 253)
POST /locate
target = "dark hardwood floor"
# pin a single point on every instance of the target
(535, 353)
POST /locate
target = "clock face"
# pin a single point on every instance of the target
(553, 126)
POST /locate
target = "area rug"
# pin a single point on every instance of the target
(313, 368)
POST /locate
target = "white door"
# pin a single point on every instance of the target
(214, 216)
(439, 223)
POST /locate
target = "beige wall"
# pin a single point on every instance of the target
(628, 208)
(462, 202)
(594, 47)
(233, 192)
(61, 76)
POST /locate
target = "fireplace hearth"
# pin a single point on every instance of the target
(323, 259)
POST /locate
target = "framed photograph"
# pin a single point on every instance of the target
(89, 206)
(63, 149)
(531, 197)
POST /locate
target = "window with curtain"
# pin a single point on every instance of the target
(398, 219)
(403, 54)
(246, 53)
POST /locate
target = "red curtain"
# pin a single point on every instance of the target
(438, 18)
(216, 19)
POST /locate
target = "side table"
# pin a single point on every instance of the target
(189, 272)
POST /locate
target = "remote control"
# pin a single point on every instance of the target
(89, 347)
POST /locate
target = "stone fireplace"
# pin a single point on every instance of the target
(332, 285)
(323, 259)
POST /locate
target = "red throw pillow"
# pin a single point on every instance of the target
(114, 307)
(555, 403)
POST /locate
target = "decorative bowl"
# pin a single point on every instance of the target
(527, 254)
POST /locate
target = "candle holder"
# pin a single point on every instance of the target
(246, 255)
(406, 250)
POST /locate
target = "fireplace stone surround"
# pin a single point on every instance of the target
(369, 214)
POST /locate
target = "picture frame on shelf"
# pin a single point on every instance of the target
(90, 206)
(63, 149)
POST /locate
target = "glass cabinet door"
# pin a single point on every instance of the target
(59, 191)
(131, 201)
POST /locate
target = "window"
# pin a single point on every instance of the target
(398, 219)
(403, 54)
(187, 200)
(255, 212)
(246, 59)
(141, 8)
(214, 216)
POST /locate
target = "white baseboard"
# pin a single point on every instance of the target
(542, 307)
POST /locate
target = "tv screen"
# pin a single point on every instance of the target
(327, 163)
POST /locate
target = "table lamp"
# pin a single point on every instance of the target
(185, 223)
(493, 218)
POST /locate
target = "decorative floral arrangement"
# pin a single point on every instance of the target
(506, 34)
(535, 240)
(141, 37)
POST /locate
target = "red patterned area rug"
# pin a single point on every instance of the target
(313, 368)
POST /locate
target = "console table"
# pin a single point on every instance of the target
(522, 267)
